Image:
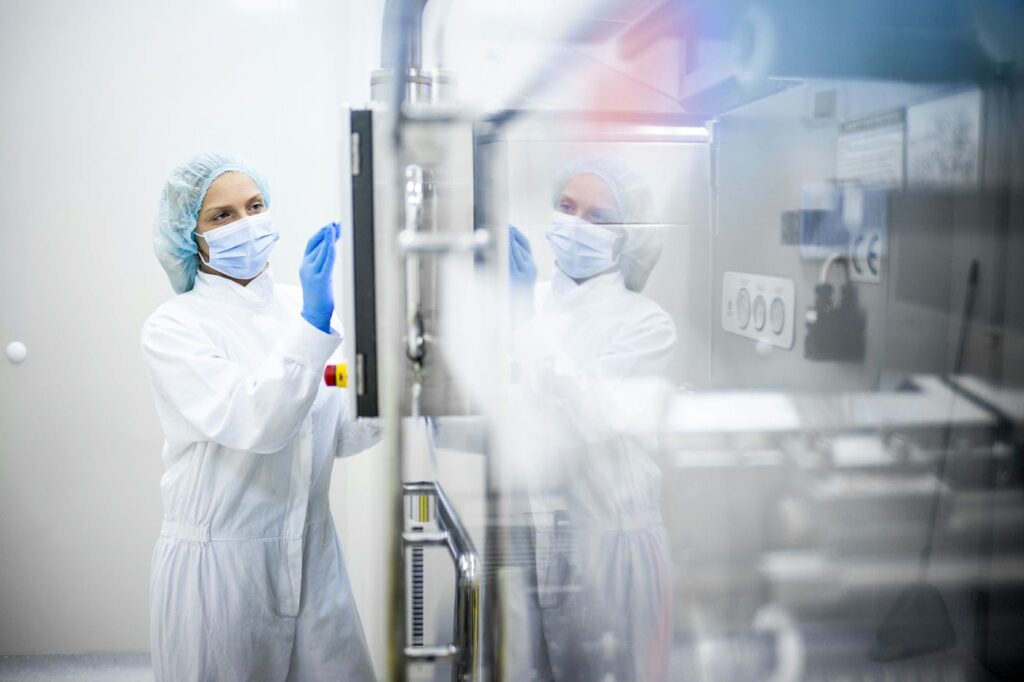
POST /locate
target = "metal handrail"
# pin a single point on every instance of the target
(412, 242)
(432, 654)
(453, 535)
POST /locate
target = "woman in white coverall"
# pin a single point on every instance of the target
(603, 571)
(248, 580)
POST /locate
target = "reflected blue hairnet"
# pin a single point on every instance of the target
(642, 247)
(183, 194)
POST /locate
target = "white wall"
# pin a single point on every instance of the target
(97, 102)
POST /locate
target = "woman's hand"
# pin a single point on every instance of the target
(521, 268)
(315, 274)
(522, 272)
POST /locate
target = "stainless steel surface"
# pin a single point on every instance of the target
(392, 361)
(401, 78)
(413, 222)
(432, 654)
(927, 403)
(428, 231)
(452, 534)
(418, 86)
(441, 244)
(798, 493)
(417, 382)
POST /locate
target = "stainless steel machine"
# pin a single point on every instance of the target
(836, 430)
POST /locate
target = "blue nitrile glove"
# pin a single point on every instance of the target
(522, 274)
(315, 274)
(521, 268)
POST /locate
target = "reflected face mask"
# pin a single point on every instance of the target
(582, 249)
(241, 249)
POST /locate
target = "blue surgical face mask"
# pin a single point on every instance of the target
(241, 249)
(583, 249)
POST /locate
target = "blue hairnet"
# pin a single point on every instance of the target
(642, 248)
(173, 233)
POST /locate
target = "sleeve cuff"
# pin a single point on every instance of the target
(358, 435)
(308, 346)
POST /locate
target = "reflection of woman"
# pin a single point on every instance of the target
(248, 581)
(603, 568)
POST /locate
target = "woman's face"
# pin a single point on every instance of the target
(231, 196)
(587, 196)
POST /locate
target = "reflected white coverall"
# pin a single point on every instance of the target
(248, 580)
(603, 568)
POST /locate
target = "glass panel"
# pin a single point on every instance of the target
(753, 407)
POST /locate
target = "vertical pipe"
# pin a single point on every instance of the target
(401, 19)
(391, 373)
(401, 45)
(494, 319)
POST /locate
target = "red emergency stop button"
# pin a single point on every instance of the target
(336, 375)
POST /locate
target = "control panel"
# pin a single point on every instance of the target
(759, 307)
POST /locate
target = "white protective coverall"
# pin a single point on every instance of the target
(603, 570)
(248, 580)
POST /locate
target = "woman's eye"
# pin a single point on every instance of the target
(257, 207)
(219, 217)
(602, 218)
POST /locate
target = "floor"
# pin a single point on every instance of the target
(77, 668)
(136, 668)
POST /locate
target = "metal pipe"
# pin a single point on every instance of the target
(401, 77)
(429, 242)
(467, 615)
(431, 654)
(459, 544)
(401, 45)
